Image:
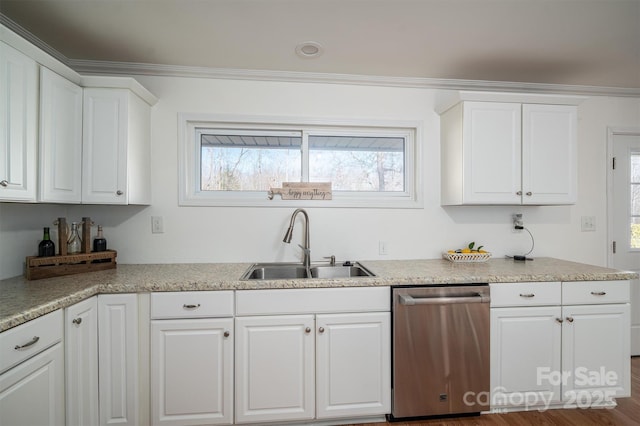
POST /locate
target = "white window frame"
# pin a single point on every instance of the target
(190, 194)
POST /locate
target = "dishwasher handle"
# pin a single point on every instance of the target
(408, 300)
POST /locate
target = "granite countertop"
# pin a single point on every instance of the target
(22, 300)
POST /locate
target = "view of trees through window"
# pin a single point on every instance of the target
(251, 162)
(635, 201)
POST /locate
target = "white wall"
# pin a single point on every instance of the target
(210, 234)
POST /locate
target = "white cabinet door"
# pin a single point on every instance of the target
(275, 359)
(353, 364)
(492, 152)
(81, 362)
(192, 371)
(116, 148)
(596, 352)
(118, 358)
(32, 393)
(549, 156)
(60, 139)
(19, 123)
(525, 343)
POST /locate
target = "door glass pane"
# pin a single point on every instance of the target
(248, 162)
(635, 200)
(358, 163)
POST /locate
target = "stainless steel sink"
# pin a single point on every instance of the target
(287, 271)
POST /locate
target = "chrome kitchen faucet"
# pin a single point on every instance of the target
(306, 260)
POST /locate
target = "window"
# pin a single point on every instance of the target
(235, 163)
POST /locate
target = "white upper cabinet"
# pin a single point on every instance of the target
(18, 121)
(116, 148)
(508, 153)
(60, 139)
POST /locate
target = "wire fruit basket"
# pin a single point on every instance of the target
(466, 257)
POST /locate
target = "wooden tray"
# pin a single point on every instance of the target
(57, 266)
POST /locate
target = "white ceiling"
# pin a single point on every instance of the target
(574, 42)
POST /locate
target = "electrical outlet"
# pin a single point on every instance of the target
(588, 223)
(382, 248)
(518, 222)
(157, 227)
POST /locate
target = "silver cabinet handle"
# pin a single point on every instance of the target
(226, 334)
(307, 330)
(77, 321)
(519, 193)
(529, 194)
(191, 306)
(598, 293)
(118, 192)
(26, 345)
(4, 183)
(321, 330)
(570, 319)
(559, 320)
(527, 295)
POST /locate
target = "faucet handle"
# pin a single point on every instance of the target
(305, 250)
(332, 260)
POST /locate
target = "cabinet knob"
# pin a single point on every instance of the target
(529, 194)
(226, 334)
(321, 329)
(519, 193)
(77, 321)
(570, 319)
(307, 330)
(559, 320)
(4, 183)
(118, 192)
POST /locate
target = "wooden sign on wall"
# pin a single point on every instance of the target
(303, 191)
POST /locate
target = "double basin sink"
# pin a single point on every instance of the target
(287, 271)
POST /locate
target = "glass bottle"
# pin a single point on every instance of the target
(99, 242)
(74, 243)
(46, 247)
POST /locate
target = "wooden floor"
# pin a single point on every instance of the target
(627, 413)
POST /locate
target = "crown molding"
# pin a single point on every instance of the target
(131, 68)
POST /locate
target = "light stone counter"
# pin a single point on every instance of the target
(22, 300)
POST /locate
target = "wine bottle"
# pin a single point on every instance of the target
(46, 247)
(74, 243)
(99, 242)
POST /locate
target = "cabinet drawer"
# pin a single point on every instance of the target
(192, 304)
(26, 340)
(526, 294)
(595, 292)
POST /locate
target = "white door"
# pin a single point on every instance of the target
(353, 364)
(192, 372)
(32, 393)
(523, 340)
(118, 359)
(595, 351)
(60, 139)
(81, 362)
(624, 215)
(275, 360)
(549, 156)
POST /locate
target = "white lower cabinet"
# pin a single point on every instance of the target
(81, 362)
(275, 363)
(571, 350)
(32, 373)
(118, 359)
(192, 358)
(310, 363)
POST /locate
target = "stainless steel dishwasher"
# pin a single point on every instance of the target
(440, 350)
